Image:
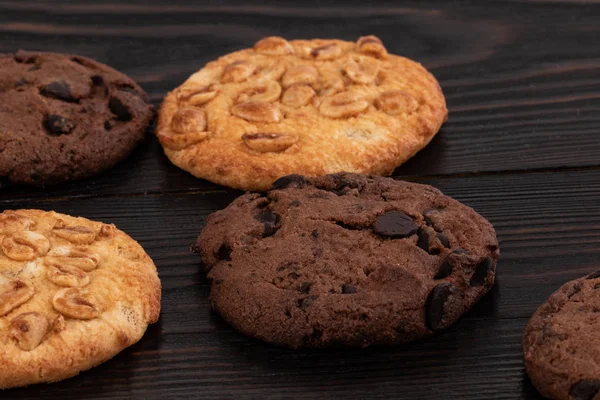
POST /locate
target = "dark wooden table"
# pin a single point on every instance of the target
(522, 146)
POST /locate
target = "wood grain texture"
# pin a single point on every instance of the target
(522, 147)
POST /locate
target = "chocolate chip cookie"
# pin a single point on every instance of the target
(560, 343)
(309, 107)
(73, 294)
(346, 260)
(64, 117)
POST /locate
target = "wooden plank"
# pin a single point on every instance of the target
(522, 79)
(549, 230)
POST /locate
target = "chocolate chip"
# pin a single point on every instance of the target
(443, 239)
(58, 125)
(481, 272)
(423, 241)
(348, 289)
(20, 83)
(307, 301)
(594, 275)
(460, 251)
(97, 80)
(269, 220)
(426, 215)
(108, 125)
(305, 287)
(315, 233)
(117, 107)
(585, 389)
(576, 288)
(293, 180)
(293, 276)
(58, 90)
(444, 270)
(295, 203)
(434, 306)
(224, 252)
(394, 224)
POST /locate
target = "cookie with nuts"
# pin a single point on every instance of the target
(560, 343)
(73, 294)
(64, 117)
(309, 107)
(346, 260)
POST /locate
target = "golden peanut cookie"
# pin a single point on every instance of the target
(309, 107)
(73, 294)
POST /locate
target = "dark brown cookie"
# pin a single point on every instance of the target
(560, 343)
(346, 260)
(64, 117)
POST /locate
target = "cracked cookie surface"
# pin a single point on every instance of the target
(310, 107)
(65, 117)
(346, 260)
(560, 343)
(73, 294)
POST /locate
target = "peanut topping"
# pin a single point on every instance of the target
(107, 231)
(13, 293)
(330, 84)
(188, 119)
(273, 46)
(78, 234)
(180, 142)
(272, 72)
(267, 92)
(395, 102)
(25, 246)
(301, 74)
(257, 112)
(11, 221)
(66, 275)
(269, 142)
(28, 330)
(75, 303)
(79, 257)
(197, 95)
(343, 105)
(326, 52)
(237, 71)
(298, 95)
(371, 46)
(362, 71)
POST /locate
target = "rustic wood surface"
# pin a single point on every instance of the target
(522, 146)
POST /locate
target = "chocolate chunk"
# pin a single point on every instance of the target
(585, 389)
(58, 125)
(423, 241)
(269, 220)
(426, 215)
(20, 83)
(58, 90)
(307, 301)
(594, 275)
(117, 107)
(97, 80)
(434, 306)
(108, 125)
(305, 287)
(574, 290)
(293, 276)
(348, 289)
(394, 224)
(481, 272)
(224, 252)
(444, 270)
(443, 239)
(315, 233)
(293, 180)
